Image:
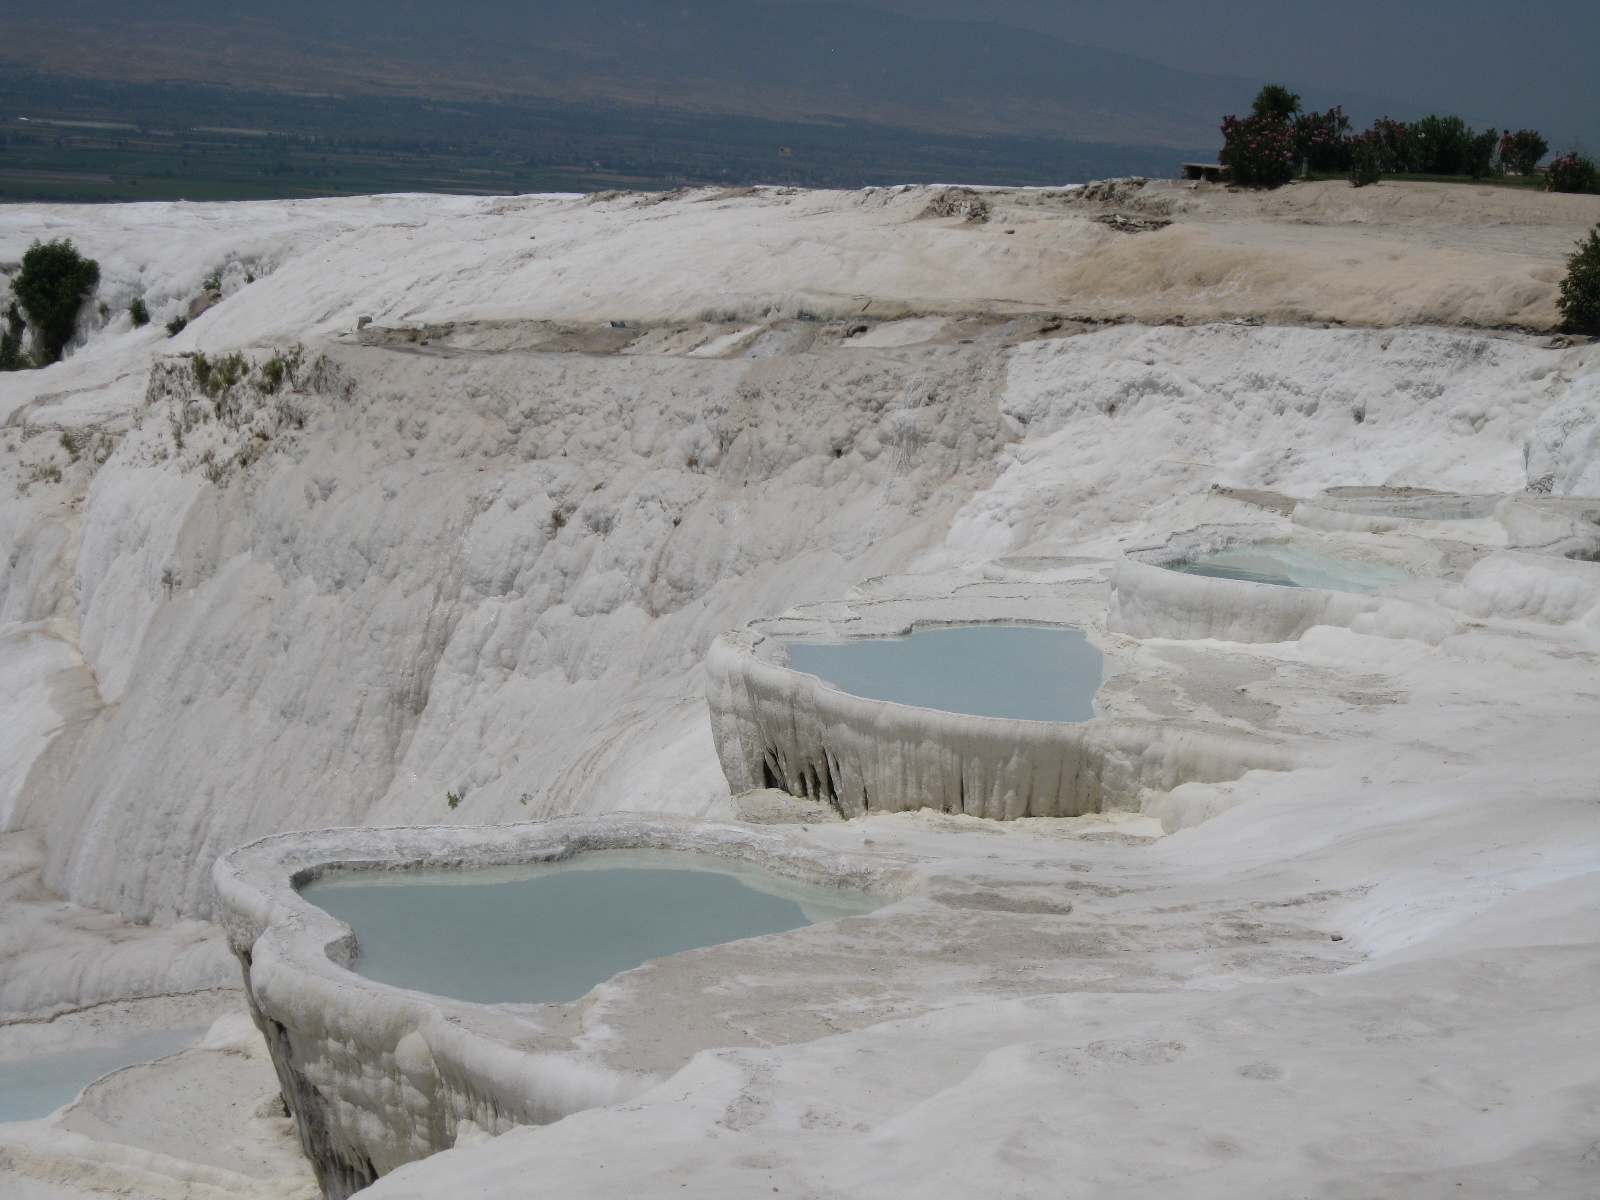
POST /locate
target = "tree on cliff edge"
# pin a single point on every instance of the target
(54, 282)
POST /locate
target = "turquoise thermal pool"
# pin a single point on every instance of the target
(1290, 566)
(36, 1087)
(549, 933)
(1028, 672)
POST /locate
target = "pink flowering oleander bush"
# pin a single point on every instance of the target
(1258, 151)
(1391, 142)
(1572, 172)
(1321, 140)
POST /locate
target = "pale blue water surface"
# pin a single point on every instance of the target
(36, 1087)
(1291, 566)
(550, 933)
(1028, 672)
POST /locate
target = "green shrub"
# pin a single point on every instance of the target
(54, 282)
(1440, 146)
(1580, 290)
(1366, 161)
(11, 340)
(1572, 172)
(272, 373)
(1521, 151)
(139, 313)
(227, 371)
(176, 326)
(1481, 150)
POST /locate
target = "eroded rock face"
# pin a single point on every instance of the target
(319, 605)
(350, 596)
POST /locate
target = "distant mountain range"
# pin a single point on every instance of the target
(790, 61)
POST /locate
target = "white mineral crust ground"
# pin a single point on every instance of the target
(482, 545)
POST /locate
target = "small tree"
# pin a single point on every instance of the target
(54, 282)
(1366, 160)
(1275, 103)
(139, 313)
(1580, 290)
(1521, 151)
(1481, 151)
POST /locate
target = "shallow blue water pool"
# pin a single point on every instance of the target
(1291, 566)
(1029, 672)
(546, 934)
(37, 1086)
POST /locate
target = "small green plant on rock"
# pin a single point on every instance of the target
(139, 313)
(176, 326)
(54, 282)
(273, 372)
(1580, 290)
(452, 799)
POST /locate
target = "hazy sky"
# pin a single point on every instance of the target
(1506, 63)
(1495, 62)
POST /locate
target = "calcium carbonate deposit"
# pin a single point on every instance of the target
(468, 533)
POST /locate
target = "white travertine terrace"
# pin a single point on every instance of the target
(376, 1076)
(1382, 510)
(782, 728)
(480, 544)
(1559, 526)
(1149, 600)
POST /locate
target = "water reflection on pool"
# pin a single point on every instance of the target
(37, 1086)
(1292, 566)
(550, 933)
(1028, 672)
